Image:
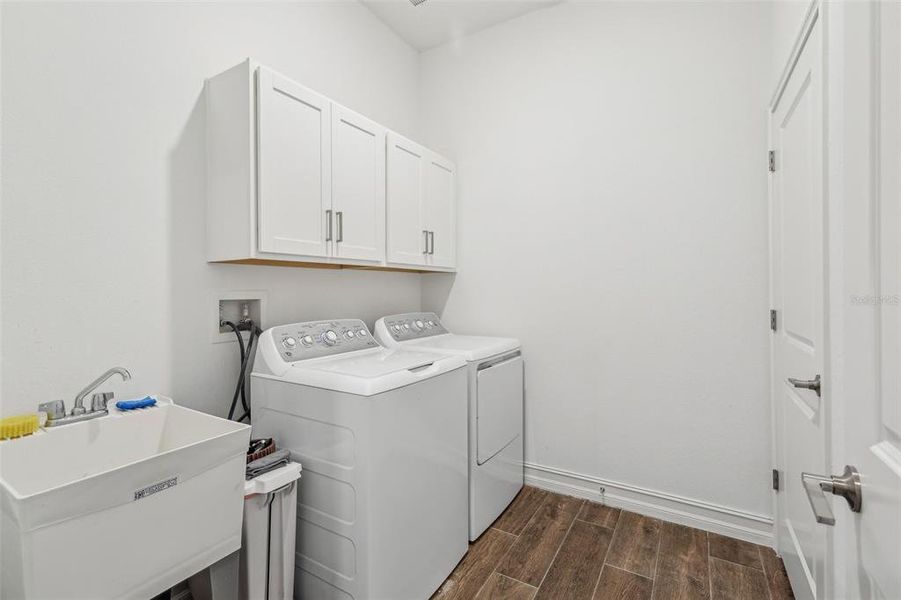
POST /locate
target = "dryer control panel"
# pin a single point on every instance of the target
(313, 339)
(412, 326)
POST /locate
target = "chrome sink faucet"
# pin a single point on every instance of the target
(56, 409)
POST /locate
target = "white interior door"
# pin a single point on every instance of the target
(440, 213)
(407, 238)
(294, 167)
(358, 185)
(798, 294)
(869, 542)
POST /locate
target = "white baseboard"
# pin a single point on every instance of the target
(667, 507)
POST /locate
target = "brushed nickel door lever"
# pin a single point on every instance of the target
(807, 384)
(847, 485)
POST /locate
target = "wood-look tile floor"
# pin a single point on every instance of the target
(550, 546)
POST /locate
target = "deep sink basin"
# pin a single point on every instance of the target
(121, 506)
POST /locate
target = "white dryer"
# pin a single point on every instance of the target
(382, 436)
(495, 373)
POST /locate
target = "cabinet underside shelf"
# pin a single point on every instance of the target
(266, 262)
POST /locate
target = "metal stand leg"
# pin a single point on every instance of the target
(218, 582)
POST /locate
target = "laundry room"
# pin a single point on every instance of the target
(450, 299)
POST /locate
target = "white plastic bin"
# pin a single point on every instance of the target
(267, 539)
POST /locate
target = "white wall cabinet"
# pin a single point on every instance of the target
(294, 167)
(358, 186)
(294, 178)
(440, 215)
(408, 240)
(421, 206)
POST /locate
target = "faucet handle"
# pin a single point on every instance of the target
(100, 400)
(55, 409)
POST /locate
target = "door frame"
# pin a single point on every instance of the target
(816, 16)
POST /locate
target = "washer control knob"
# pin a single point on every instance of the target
(349, 334)
(362, 333)
(329, 338)
(407, 325)
(418, 325)
(396, 328)
(289, 342)
(307, 340)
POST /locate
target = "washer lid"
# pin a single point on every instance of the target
(370, 364)
(469, 347)
(369, 372)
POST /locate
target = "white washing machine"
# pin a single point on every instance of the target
(382, 436)
(495, 374)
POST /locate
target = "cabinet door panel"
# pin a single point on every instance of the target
(358, 185)
(406, 163)
(440, 211)
(293, 153)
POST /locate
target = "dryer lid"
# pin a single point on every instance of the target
(470, 347)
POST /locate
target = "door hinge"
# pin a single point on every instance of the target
(772, 161)
(776, 479)
(773, 319)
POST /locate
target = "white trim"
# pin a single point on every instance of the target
(708, 516)
(813, 13)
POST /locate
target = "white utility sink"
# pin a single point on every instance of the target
(121, 506)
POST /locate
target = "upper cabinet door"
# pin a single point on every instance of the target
(294, 167)
(358, 185)
(407, 236)
(440, 211)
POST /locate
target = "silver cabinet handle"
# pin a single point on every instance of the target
(328, 225)
(425, 235)
(807, 384)
(339, 216)
(432, 238)
(847, 485)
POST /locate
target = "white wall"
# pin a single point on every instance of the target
(103, 187)
(613, 215)
(612, 212)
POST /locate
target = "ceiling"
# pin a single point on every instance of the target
(436, 22)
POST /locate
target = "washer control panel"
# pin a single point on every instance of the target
(313, 339)
(412, 326)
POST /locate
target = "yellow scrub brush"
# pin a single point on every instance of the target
(13, 427)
